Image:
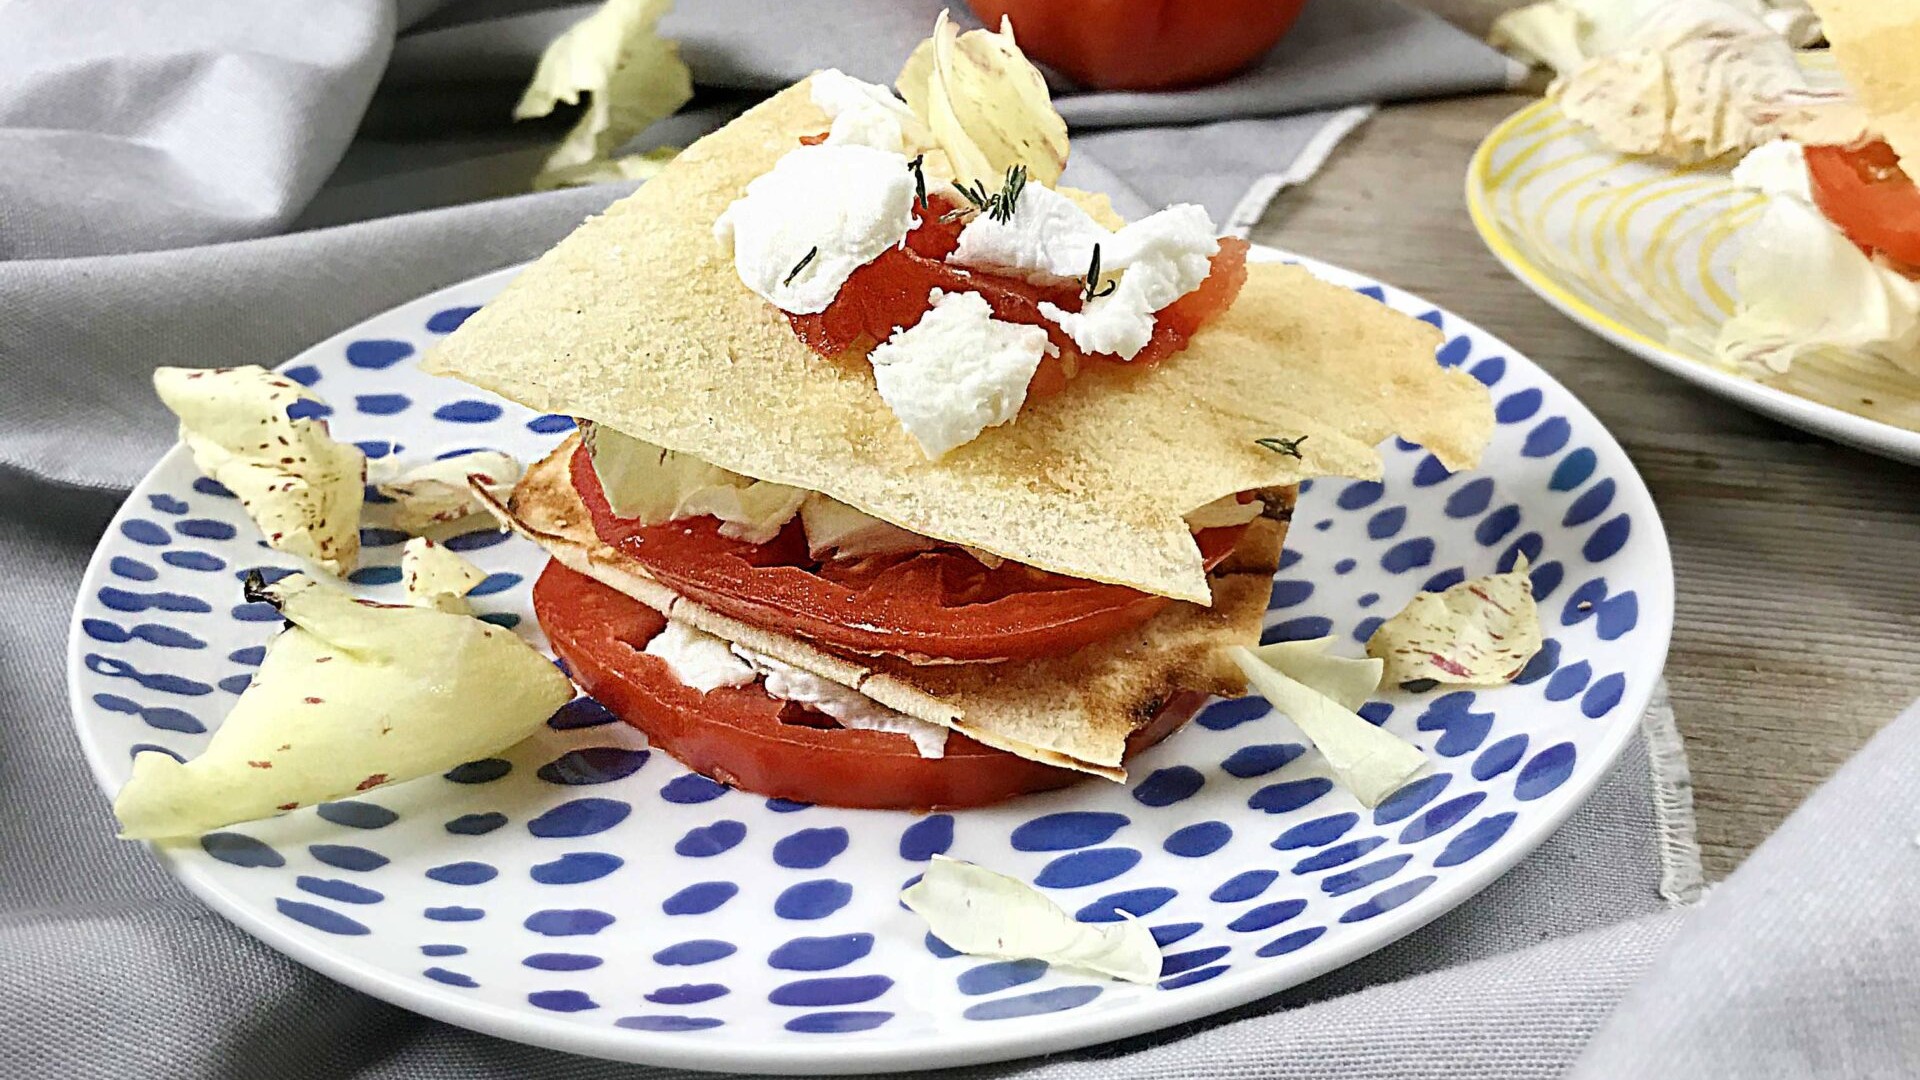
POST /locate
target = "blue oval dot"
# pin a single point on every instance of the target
(940, 949)
(1495, 526)
(1000, 975)
(706, 841)
(1223, 715)
(1267, 916)
(1455, 351)
(376, 355)
(443, 950)
(1603, 695)
(1407, 554)
(1608, 539)
(1259, 760)
(1176, 963)
(347, 857)
(576, 867)
(567, 1001)
(786, 806)
(1137, 902)
(1303, 628)
(1591, 504)
(594, 765)
(375, 575)
(454, 913)
(1490, 370)
(668, 1023)
(1316, 832)
(1170, 933)
(468, 412)
(145, 532)
(1470, 499)
(1164, 787)
(1344, 566)
(930, 836)
(1363, 631)
(1475, 839)
(581, 712)
(1547, 438)
(810, 849)
(1546, 771)
(1360, 494)
(1442, 817)
(562, 961)
(1573, 470)
(1064, 832)
(812, 899)
(699, 898)
(132, 569)
(1442, 581)
(550, 424)
(1430, 472)
(476, 824)
(1087, 867)
(206, 485)
(820, 953)
(1243, 886)
(581, 817)
(838, 1023)
(832, 990)
(451, 978)
(1289, 795)
(568, 922)
(1198, 840)
(1387, 899)
(449, 320)
(1410, 798)
(495, 583)
(1499, 757)
(1387, 522)
(688, 994)
(1568, 681)
(1287, 943)
(475, 540)
(345, 892)
(1038, 1003)
(323, 919)
(693, 953)
(357, 815)
(1517, 406)
(1288, 592)
(692, 788)
(193, 560)
(1338, 855)
(480, 772)
(463, 873)
(381, 404)
(238, 849)
(1360, 877)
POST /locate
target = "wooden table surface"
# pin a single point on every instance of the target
(1797, 561)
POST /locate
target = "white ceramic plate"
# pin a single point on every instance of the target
(583, 893)
(1641, 253)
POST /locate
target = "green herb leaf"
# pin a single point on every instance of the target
(802, 265)
(1091, 289)
(919, 181)
(1290, 447)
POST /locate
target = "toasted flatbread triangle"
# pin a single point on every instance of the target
(1876, 44)
(639, 321)
(1073, 711)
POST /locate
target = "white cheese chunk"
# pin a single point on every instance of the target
(818, 215)
(652, 485)
(956, 372)
(867, 114)
(698, 658)
(1778, 167)
(436, 577)
(851, 708)
(834, 527)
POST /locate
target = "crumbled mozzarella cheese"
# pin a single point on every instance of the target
(436, 492)
(698, 658)
(833, 526)
(818, 215)
(866, 114)
(956, 372)
(1776, 168)
(1159, 259)
(436, 577)
(851, 708)
(652, 485)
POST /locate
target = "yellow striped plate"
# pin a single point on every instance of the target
(1641, 253)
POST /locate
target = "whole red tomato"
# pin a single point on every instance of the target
(1144, 44)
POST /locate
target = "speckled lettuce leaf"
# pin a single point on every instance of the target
(352, 695)
(436, 577)
(630, 76)
(652, 485)
(437, 492)
(1369, 761)
(1348, 681)
(983, 913)
(1480, 632)
(302, 489)
(986, 104)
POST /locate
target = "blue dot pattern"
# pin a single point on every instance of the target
(583, 878)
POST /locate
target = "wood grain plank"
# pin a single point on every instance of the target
(1799, 604)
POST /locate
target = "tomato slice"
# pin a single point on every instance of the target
(742, 737)
(890, 293)
(940, 605)
(1865, 193)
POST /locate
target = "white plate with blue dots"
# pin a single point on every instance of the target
(585, 893)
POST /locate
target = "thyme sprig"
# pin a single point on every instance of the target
(1290, 447)
(799, 266)
(1091, 289)
(998, 205)
(919, 181)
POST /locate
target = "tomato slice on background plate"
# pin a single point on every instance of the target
(1867, 195)
(746, 739)
(940, 605)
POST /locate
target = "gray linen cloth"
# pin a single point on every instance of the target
(152, 163)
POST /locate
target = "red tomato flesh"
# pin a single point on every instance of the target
(743, 738)
(940, 605)
(890, 293)
(1866, 194)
